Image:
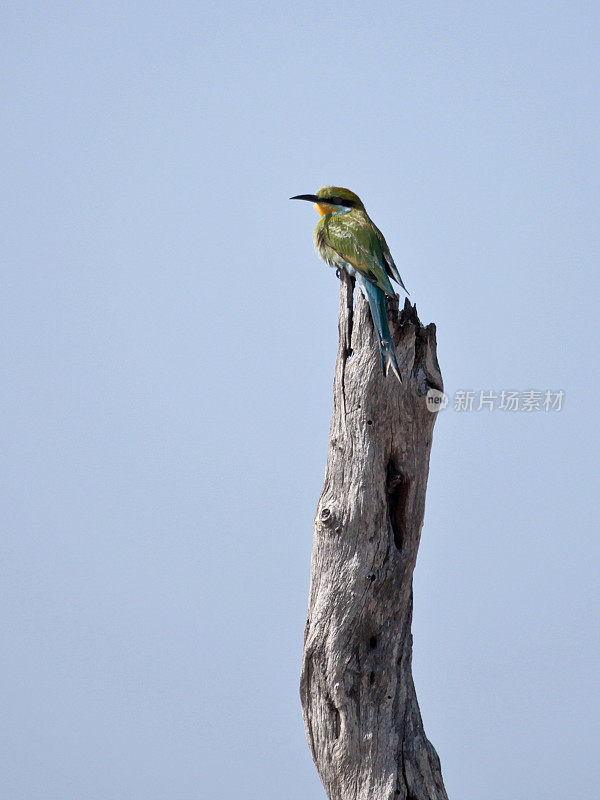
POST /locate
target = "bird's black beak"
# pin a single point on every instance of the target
(312, 198)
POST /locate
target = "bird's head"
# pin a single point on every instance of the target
(333, 200)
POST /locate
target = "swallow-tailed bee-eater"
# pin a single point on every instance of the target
(347, 238)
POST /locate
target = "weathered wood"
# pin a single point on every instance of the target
(360, 709)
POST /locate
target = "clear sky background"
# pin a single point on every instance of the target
(168, 346)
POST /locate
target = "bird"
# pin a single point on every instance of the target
(346, 238)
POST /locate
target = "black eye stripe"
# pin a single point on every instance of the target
(339, 201)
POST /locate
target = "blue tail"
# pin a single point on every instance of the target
(377, 304)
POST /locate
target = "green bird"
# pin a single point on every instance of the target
(347, 238)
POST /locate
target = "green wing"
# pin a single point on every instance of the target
(388, 261)
(356, 240)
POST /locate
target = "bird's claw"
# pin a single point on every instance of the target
(338, 273)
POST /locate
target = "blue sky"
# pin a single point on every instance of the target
(169, 339)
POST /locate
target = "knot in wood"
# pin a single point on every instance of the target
(327, 518)
(325, 514)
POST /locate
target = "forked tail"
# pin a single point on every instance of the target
(377, 304)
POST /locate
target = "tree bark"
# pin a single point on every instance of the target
(360, 709)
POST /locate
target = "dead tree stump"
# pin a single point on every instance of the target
(360, 709)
